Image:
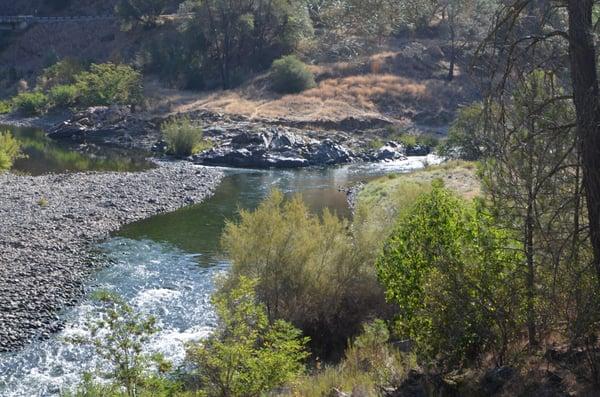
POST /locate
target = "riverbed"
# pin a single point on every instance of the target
(165, 266)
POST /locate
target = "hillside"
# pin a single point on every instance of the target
(401, 81)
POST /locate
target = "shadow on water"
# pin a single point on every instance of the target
(44, 155)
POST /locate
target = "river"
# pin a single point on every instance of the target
(164, 265)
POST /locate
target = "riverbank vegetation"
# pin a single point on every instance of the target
(68, 84)
(10, 150)
(183, 138)
(466, 279)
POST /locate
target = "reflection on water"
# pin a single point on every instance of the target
(44, 155)
(198, 228)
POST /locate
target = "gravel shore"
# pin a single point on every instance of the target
(49, 224)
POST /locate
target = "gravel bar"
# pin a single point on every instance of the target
(49, 225)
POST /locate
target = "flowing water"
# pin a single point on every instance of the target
(165, 266)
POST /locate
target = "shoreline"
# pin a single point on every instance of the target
(51, 222)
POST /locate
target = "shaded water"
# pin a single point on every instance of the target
(44, 155)
(154, 265)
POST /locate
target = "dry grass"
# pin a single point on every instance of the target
(395, 84)
(370, 95)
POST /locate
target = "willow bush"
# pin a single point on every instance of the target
(312, 271)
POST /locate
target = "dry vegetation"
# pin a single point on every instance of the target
(400, 85)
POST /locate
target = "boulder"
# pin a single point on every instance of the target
(274, 148)
(328, 152)
(390, 151)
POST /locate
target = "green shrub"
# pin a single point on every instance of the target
(62, 72)
(117, 338)
(465, 137)
(291, 75)
(63, 96)
(31, 103)
(450, 272)
(311, 270)
(247, 355)
(109, 84)
(183, 137)
(370, 364)
(10, 150)
(5, 107)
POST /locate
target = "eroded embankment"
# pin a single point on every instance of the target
(48, 225)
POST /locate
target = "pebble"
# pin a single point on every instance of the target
(46, 251)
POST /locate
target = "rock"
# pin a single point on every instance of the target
(390, 151)
(418, 150)
(334, 392)
(329, 153)
(115, 125)
(276, 148)
(47, 254)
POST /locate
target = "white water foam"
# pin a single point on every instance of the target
(155, 279)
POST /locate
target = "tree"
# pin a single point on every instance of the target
(144, 12)
(525, 32)
(586, 96)
(465, 136)
(247, 355)
(447, 268)
(466, 22)
(526, 169)
(241, 35)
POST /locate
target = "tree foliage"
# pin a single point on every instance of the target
(450, 271)
(310, 270)
(144, 12)
(118, 338)
(247, 355)
(109, 84)
(10, 150)
(231, 38)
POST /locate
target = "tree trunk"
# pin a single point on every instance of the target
(584, 77)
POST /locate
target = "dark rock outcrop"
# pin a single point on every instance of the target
(274, 148)
(114, 125)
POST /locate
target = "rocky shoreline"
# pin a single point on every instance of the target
(49, 224)
(237, 141)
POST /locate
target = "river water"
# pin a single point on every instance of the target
(165, 265)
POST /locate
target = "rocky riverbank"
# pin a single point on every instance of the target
(238, 141)
(48, 225)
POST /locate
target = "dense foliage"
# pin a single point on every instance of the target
(225, 41)
(247, 355)
(289, 75)
(451, 271)
(10, 150)
(309, 270)
(109, 84)
(31, 103)
(183, 138)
